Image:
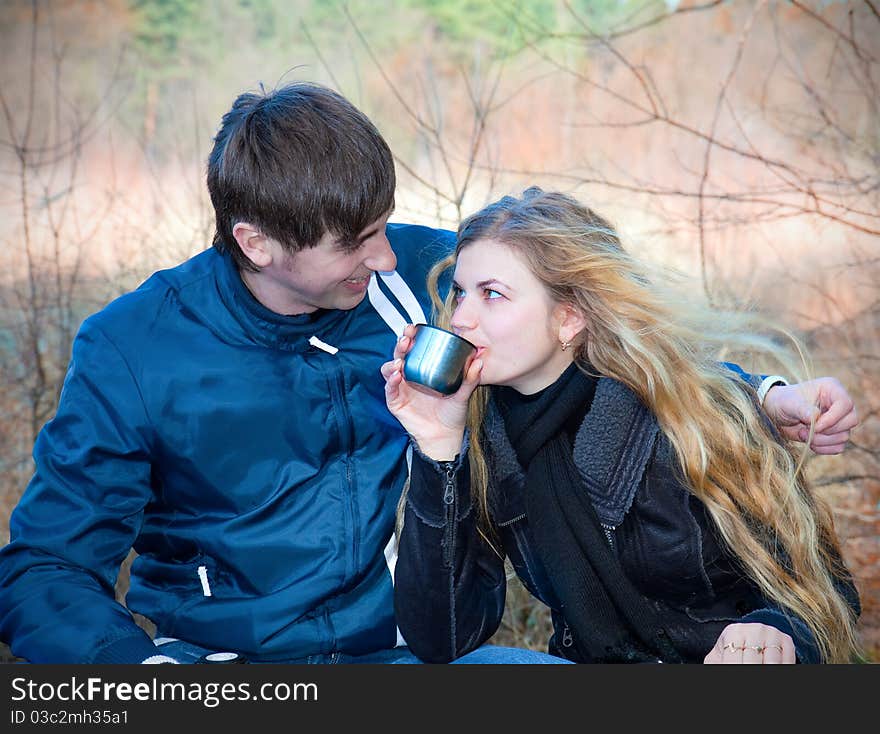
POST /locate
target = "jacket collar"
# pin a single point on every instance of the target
(263, 326)
(611, 451)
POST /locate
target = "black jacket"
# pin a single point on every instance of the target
(450, 584)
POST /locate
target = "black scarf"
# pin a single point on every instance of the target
(610, 620)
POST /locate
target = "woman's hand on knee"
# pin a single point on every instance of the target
(752, 644)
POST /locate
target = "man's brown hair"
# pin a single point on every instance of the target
(298, 162)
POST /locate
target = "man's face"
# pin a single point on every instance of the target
(329, 275)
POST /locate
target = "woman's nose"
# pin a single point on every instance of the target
(463, 318)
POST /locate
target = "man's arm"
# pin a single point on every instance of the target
(78, 519)
(793, 407)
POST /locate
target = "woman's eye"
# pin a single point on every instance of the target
(490, 294)
(457, 293)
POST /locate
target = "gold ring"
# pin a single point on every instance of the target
(757, 648)
(730, 647)
(778, 647)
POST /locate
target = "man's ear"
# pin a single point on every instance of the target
(253, 243)
(571, 322)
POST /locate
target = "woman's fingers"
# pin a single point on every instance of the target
(388, 368)
(752, 644)
(404, 342)
(392, 371)
(774, 654)
(471, 377)
(469, 382)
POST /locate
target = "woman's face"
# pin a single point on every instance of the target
(508, 314)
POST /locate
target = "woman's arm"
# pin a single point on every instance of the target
(449, 584)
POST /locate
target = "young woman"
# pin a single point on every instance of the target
(628, 476)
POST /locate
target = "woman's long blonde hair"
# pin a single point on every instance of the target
(667, 352)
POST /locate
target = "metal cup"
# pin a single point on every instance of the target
(437, 359)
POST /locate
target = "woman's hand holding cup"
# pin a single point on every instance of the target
(436, 421)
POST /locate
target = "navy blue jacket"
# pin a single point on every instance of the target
(255, 473)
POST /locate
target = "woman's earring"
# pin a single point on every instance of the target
(565, 345)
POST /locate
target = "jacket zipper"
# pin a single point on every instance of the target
(449, 546)
(449, 501)
(608, 530)
(345, 430)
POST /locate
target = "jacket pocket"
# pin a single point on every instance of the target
(159, 587)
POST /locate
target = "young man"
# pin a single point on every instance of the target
(227, 421)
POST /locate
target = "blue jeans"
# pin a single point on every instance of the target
(186, 652)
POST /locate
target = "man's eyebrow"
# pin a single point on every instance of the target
(367, 235)
(371, 232)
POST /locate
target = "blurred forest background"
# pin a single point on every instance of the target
(737, 141)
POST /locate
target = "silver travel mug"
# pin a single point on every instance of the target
(437, 359)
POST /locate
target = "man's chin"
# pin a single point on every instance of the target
(348, 301)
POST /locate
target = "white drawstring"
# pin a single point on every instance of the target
(203, 577)
(317, 343)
